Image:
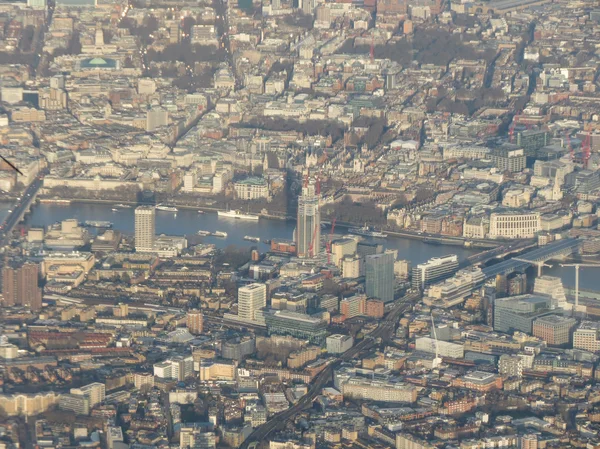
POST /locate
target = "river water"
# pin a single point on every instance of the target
(188, 222)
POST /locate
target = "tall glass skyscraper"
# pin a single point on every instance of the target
(308, 231)
(380, 276)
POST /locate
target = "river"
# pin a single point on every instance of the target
(188, 222)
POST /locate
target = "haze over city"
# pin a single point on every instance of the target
(306, 224)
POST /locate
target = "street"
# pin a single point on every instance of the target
(384, 331)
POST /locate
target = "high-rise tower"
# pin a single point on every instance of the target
(251, 298)
(20, 286)
(380, 276)
(145, 228)
(308, 231)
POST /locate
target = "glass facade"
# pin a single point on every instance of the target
(297, 325)
(380, 276)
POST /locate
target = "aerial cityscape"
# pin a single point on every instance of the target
(299, 224)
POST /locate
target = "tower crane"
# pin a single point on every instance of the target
(328, 244)
(571, 152)
(539, 265)
(437, 361)
(587, 150)
(577, 266)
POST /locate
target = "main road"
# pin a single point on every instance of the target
(384, 331)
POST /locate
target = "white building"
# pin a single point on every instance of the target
(252, 188)
(251, 299)
(515, 225)
(176, 368)
(338, 344)
(351, 267)
(95, 392)
(586, 336)
(551, 286)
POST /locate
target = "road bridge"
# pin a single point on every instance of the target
(21, 208)
(555, 250)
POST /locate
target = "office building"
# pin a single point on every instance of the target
(29, 293)
(251, 299)
(408, 441)
(338, 344)
(142, 379)
(28, 404)
(515, 225)
(510, 365)
(299, 325)
(553, 287)
(517, 313)
(454, 290)
(532, 140)
(155, 118)
(196, 438)
(586, 336)
(217, 369)
(513, 161)
(94, 392)
(341, 248)
(145, 228)
(76, 403)
(194, 322)
(378, 390)
(308, 231)
(252, 188)
(351, 267)
(375, 308)
(434, 270)
(238, 347)
(307, 6)
(9, 286)
(368, 248)
(175, 368)
(20, 286)
(114, 435)
(380, 276)
(554, 329)
(353, 306)
(37, 4)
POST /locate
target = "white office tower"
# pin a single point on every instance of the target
(307, 6)
(251, 299)
(553, 287)
(37, 4)
(145, 217)
(308, 230)
(94, 392)
(192, 437)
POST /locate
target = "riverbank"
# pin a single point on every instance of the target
(434, 239)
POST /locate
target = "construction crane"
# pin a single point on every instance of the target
(587, 150)
(328, 244)
(577, 266)
(571, 152)
(511, 130)
(312, 241)
(437, 361)
(539, 265)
